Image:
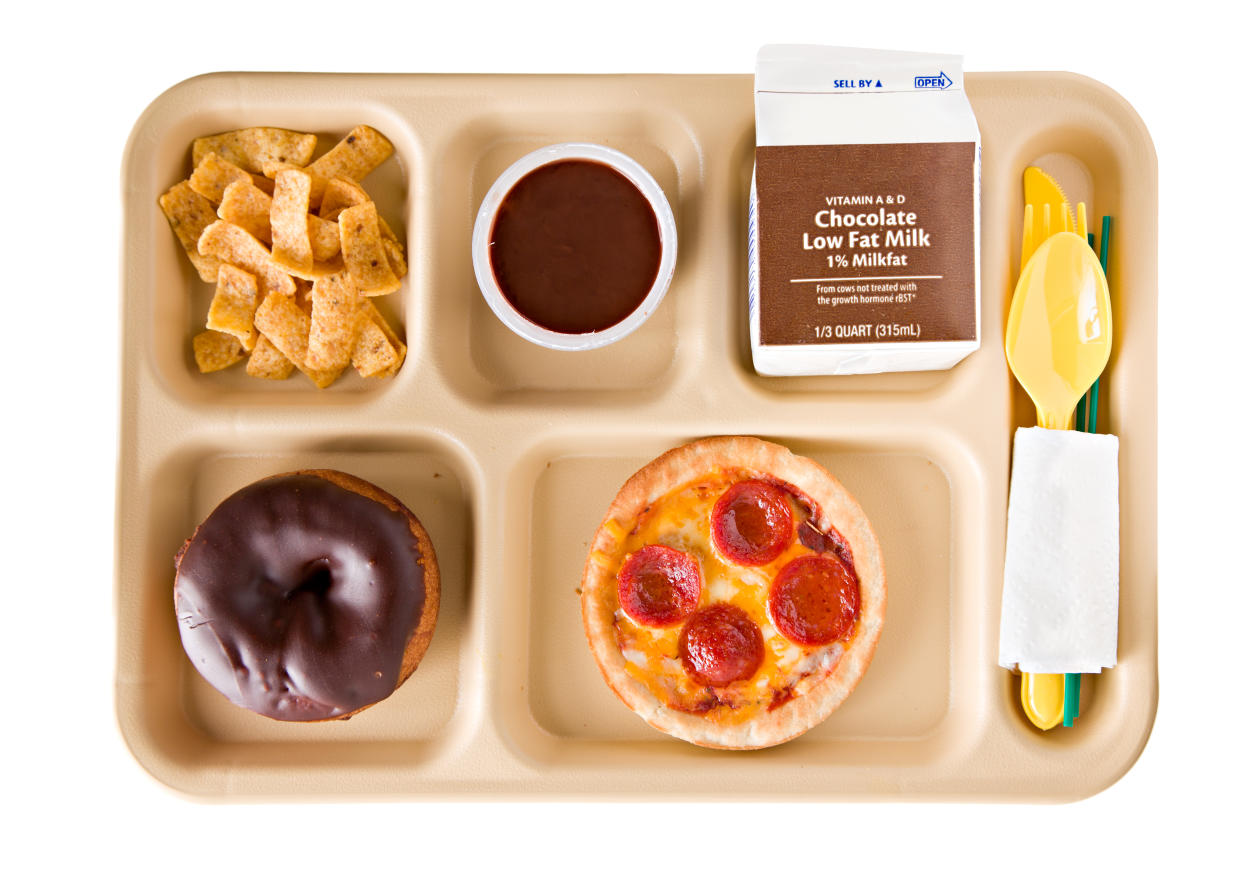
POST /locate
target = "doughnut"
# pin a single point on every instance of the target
(307, 596)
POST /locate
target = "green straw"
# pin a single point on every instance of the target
(1086, 418)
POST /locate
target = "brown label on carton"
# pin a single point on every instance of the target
(866, 243)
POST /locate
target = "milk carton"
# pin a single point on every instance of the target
(864, 213)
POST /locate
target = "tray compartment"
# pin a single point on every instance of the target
(499, 366)
(428, 478)
(906, 694)
(195, 108)
(1097, 148)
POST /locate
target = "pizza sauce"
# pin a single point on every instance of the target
(732, 597)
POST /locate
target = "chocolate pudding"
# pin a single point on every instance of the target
(575, 246)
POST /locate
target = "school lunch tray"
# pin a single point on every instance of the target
(510, 454)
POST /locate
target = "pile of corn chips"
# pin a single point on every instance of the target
(295, 249)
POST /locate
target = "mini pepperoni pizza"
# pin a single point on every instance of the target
(734, 594)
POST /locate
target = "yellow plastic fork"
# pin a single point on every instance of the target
(1044, 198)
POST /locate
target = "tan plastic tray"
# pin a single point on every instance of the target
(510, 454)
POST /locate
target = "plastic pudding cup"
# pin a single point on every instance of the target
(485, 222)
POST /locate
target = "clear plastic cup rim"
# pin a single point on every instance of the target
(500, 305)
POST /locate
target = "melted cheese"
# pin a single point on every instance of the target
(682, 520)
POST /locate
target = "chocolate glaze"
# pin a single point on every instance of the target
(296, 598)
(575, 246)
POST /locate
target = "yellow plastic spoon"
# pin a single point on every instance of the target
(1060, 330)
(1043, 698)
(1043, 695)
(1058, 340)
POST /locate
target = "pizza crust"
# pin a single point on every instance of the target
(837, 508)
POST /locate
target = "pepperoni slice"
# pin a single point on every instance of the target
(752, 523)
(814, 600)
(720, 644)
(659, 586)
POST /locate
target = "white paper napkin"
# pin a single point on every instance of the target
(1059, 607)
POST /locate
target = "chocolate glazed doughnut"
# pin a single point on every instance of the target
(307, 596)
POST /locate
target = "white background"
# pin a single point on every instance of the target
(75, 80)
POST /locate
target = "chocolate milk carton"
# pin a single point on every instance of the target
(864, 212)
